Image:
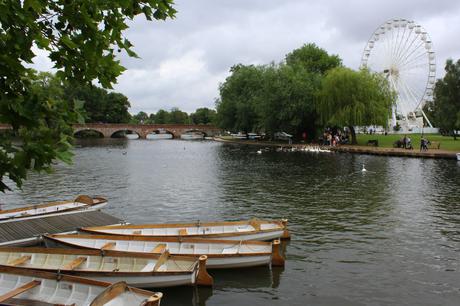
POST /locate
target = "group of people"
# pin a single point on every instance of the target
(406, 143)
(334, 137)
(424, 144)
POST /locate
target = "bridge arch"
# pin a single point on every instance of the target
(150, 134)
(195, 131)
(88, 133)
(123, 132)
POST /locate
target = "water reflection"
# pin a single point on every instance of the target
(387, 236)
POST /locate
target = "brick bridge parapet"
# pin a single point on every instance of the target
(108, 129)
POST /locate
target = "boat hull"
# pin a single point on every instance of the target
(52, 209)
(159, 136)
(138, 270)
(227, 254)
(191, 137)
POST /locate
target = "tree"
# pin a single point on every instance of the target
(203, 115)
(447, 99)
(82, 39)
(162, 117)
(238, 95)
(350, 98)
(100, 105)
(140, 118)
(176, 116)
(313, 59)
(287, 101)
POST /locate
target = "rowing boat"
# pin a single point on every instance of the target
(82, 202)
(220, 253)
(253, 229)
(139, 270)
(30, 287)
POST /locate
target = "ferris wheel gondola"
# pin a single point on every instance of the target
(403, 52)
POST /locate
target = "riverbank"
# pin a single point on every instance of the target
(357, 149)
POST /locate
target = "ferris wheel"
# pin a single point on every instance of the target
(402, 51)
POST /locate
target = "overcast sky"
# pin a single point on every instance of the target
(184, 60)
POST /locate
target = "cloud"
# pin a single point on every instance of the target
(184, 60)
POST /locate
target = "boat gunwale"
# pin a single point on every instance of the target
(269, 252)
(96, 201)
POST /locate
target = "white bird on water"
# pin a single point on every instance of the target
(363, 169)
(259, 152)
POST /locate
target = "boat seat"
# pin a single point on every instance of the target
(161, 261)
(159, 248)
(108, 246)
(233, 250)
(255, 224)
(148, 267)
(183, 232)
(19, 290)
(19, 261)
(75, 263)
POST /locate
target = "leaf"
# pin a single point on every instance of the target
(65, 39)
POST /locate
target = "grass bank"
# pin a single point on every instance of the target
(386, 141)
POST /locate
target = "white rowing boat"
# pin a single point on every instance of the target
(240, 230)
(30, 287)
(82, 202)
(220, 253)
(140, 270)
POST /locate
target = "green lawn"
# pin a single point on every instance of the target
(447, 143)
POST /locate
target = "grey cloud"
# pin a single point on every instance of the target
(184, 60)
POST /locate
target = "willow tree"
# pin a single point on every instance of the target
(82, 39)
(354, 98)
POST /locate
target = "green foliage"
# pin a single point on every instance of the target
(447, 99)
(176, 116)
(140, 118)
(161, 117)
(313, 59)
(275, 98)
(99, 105)
(238, 97)
(350, 98)
(82, 38)
(203, 115)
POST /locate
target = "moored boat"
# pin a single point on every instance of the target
(192, 136)
(220, 253)
(141, 270)
(232, 230)
(458, 156)
(132, 136)
(156, 136)
(31, 287)
(82, 202)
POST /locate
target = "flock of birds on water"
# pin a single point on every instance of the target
(314, 149)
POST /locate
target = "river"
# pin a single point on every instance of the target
(388, 236)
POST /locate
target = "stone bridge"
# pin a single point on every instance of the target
(110, 129)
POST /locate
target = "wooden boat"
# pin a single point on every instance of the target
(140, 270)
(82, 202)
(29, 287)
(220, 253)
(242, 230)
(192, 136)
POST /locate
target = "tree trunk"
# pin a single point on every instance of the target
(353, 135)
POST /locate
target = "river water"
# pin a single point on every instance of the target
(389, 236)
